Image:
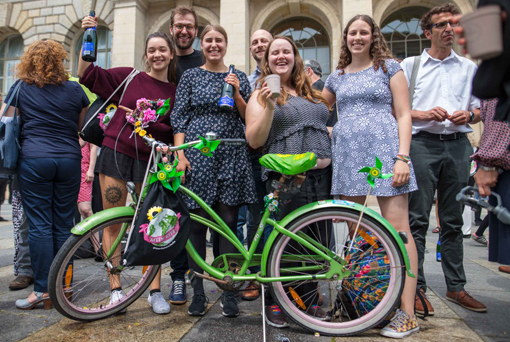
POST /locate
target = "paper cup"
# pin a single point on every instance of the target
(483, 32)
(273, 82)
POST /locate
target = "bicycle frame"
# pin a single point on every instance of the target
(249, 258)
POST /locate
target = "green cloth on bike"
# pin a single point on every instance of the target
(289, 164)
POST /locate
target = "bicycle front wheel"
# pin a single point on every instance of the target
(338, 307)
(80, 283)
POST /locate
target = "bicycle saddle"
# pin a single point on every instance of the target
(289, 164)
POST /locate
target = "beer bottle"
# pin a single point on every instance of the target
(226, 103)
(89, 51)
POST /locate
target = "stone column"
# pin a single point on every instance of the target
(234, 17)
(129, 33)
(352, 7)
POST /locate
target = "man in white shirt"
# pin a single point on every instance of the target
(442, 109)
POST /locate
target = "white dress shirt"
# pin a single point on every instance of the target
(444, 83)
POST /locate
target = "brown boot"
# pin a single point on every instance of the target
(418, 305)
(21, 282)
(251, 292)
(466, 301)
(504, 269)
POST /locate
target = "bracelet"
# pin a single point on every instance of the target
(403, 157)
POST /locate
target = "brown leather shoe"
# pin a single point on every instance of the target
(466, 301)
(418, 305)
(504, 269)
(21, 282)
(251, 292)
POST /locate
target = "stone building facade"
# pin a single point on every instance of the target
(315, 24)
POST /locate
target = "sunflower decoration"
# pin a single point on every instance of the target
(153, 212)
(167, 174)
(206, 147)
(111, 107)
(375, 172)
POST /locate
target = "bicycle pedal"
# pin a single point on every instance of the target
(189, 278)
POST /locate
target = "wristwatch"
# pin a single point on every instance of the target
(490, 168)
(471, 117)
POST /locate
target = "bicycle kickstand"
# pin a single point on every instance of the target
(263, 313)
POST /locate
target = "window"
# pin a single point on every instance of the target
(11, 50)
(403, 33)
(104, 48)
(311, 39)
(196, 43)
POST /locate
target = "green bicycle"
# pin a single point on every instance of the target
(360, 257)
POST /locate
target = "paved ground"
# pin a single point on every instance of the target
(451, 322)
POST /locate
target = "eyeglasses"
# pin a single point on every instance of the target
(442, 24)
(180, 27)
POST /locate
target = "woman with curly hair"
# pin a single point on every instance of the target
(52, 108)
(374, 120)
(294, 123)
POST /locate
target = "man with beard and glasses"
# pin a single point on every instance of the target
(442, 108)
(184, 29)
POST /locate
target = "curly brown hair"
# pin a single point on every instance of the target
(379, 51)
(298, 78)
(448, 7)
(43, 63)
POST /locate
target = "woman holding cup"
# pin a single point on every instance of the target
(291, 119)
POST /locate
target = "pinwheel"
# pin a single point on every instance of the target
(206, 147)
(375, 172)
(164, 108)
(168, 175)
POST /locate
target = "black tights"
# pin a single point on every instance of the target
(220, 245)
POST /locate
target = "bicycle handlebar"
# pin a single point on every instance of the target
(466, 196)
(228, 142)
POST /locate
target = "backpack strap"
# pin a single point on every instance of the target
(412, 82)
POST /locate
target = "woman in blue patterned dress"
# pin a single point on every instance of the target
(224, 181)
(369, 86)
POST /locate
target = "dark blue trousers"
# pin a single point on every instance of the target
(49, 192)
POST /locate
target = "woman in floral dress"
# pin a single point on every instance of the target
(224, 181)
(368, 87)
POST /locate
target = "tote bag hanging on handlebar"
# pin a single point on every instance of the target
(9, 137)
(161, 229)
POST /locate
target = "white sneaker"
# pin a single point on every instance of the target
(115, 296)
(158, 303)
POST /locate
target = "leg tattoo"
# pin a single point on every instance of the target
(113, 194)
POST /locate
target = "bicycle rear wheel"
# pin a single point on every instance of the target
(340, 307)
(79, 286)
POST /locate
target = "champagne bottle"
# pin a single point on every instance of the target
(438, 250)
(226, 102)
(89, 52)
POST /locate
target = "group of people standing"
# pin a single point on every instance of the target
(412, 115)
